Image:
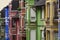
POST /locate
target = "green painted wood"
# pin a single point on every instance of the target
(27, 34)
(28, 23)
(39, 15)
(31, 2)
(39, 34)
(28, 16)
(39, 23)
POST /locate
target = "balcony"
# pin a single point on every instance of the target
(39, 2)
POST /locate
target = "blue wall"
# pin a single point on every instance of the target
(6, 23)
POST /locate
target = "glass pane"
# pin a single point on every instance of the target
(55, 35)
(48, 8)
(32, 15)
(33, 35)
(15, 5)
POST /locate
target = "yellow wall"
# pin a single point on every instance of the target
(50, 2)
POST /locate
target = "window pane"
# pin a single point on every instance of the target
(48, 9)
(32, 15)
(33, 35)
(55, 35)
(13, 37)
(42, 12)
(13, 23)
(15, 5)
(3, 13)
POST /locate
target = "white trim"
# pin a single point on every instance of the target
(43, 12)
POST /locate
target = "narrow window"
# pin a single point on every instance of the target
(32, 15)
(42, 35)
(13, 37)
(33, 35)
(13, 23)
(42, 14)
(15, 4)
(55, 35)
(48, 10)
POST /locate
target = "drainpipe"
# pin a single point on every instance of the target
(6, 23)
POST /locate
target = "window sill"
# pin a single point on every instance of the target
(42, 19)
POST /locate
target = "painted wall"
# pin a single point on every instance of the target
(30, 2)
(39, 33)
(39, 15)
(28, 23)
(40, 23)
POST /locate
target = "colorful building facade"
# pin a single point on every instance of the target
(40, 16)
(30, 21)
(35, 20)
(16, 17)
(51, 17)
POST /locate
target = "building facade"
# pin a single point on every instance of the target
(2, 24)
(40, 16)
(30, 20)
(51, 17)
(35, 11)
(16, 20)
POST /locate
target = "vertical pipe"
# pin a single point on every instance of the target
(6, 23)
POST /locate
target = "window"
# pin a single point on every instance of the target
(42, 14)
(24, 3)
(48, 35)
(48, 10)
(42, 35)
(33, 35)
(55, 11)
(13, 37)
(59, 3)
(3, 13)
(23, 38)
(32, 15)
(15, 4)
(13, 23)
(55, 35)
